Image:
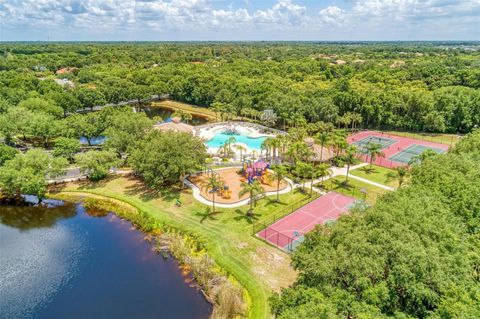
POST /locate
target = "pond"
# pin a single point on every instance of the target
(61, 262)
(166, 115)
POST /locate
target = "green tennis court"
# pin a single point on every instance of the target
(405, 155)
(363, 143)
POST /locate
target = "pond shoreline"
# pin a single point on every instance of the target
(185, 247)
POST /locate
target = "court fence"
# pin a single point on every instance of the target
(380, 161)
(264, 229)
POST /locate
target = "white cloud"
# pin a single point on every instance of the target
(284, 13)
(332, 15)
(361, 19)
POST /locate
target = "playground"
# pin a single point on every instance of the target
(288, 232)
(398, 150)
(231, 179)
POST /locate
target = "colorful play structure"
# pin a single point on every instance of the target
(223, 191)
(257, 170)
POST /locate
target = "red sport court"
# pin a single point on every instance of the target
(287, 233)
(397, 150)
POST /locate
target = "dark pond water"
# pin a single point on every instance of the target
(166, 115)
(60, 262)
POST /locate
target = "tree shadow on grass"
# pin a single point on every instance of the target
(146, 193)
(273, 201)
(207, 214)
(89, 184)
(141, 190)
(242, 215)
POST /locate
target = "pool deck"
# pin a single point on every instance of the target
(208, 132)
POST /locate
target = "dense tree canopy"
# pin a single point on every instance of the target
(26, 173)
(163, 158)
(412, 86)
(413, 255)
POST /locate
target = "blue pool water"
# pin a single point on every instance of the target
(252, 143)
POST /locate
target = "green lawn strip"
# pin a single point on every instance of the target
(221, 235)
(448, 139)
(377, 174)
(353, 187)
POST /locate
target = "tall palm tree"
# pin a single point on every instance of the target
(299, 151)
(275, 144)
(339, 142)
(402, 173)
(254, 154)
(323, 170)
(349, 159)
(231, 140)
(374, 150)
(323, 138)
(223, 150)
(283, 142)
(303, 170)
(266, 144)
(242, 149)
(356, 118)
(278, 175)
(212, 183)
(254, 189)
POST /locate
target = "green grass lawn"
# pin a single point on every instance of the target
(378, 174)
(448, 139)
(353, 188)
(227, 235)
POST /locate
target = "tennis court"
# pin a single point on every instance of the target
(288, 232)
(397, 150)
(383, 141)
(405, 155)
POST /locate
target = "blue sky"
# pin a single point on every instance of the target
(64, 20)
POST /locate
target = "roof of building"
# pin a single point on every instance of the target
(327, 153)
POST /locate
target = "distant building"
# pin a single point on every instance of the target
(65, 70)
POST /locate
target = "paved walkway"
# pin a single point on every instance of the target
(197, 195)
(336, 171)
(388, 188)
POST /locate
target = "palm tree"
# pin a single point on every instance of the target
(254, 189)
(418, 159)
(223, 150)
(323, 139)
(356, 118)
(278, 175)
(242, 149)
(401, 174)
(299, 151)
(339, 142)
(374, 150)
(303, 170)
(231, 140)
(349, 159)
(275, 144)
(266, 144)
(323, 170)
(254, 154)
(212, 183)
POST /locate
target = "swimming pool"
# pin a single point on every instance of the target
(219, 140)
